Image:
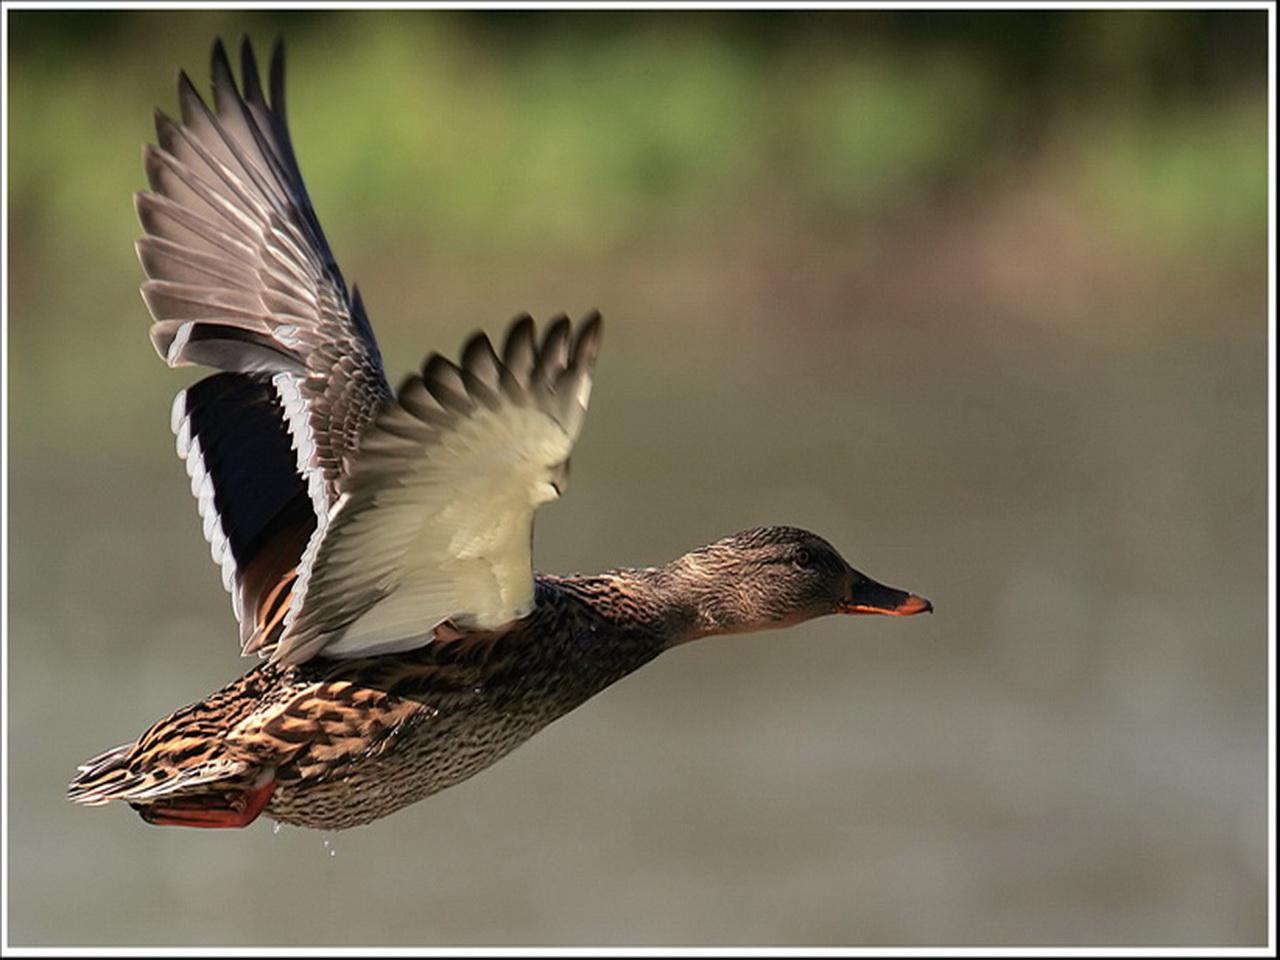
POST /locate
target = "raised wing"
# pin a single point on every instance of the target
(241, 278)
(436, 518)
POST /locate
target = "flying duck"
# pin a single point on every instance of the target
(376, 544)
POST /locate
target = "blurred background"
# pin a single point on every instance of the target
(979, 296)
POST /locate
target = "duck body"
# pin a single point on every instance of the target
(335, 743)
(377, 544)
(345, 742)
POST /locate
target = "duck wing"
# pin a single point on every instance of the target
(242, 279)
(435, 521)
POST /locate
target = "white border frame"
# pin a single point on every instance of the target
(1267, 951)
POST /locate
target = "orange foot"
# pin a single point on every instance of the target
(215, 810)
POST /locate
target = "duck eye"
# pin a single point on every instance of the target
(803, 556)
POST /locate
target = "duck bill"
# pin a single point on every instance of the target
(868, 596)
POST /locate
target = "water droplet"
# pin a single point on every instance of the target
(329, 847)
(275, 827)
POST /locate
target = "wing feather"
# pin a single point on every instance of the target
(240, 278)
(346, 520)
(436, 518)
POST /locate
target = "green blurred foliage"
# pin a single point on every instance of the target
(540, 138)
(457, 121)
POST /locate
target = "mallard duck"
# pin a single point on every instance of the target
(377, 544)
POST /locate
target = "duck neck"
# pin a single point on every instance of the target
(693, 603)
(661, 607)
(684, 600)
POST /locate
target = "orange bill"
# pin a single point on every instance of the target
(867, 596)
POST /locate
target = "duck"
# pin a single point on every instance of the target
(377, 544)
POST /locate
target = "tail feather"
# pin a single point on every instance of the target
(104, 778)
(108, 777)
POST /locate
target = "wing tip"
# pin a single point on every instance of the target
(276, 76)
(219, 62)
(586, 345)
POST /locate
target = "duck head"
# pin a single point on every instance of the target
(774, 577)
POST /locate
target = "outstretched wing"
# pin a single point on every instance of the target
(241, 278)
(436, 518)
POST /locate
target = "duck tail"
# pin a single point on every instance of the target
(206, 795)
(105, 777)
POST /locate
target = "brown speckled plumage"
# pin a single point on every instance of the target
(349, 741)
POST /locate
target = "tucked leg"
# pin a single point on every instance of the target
(215, 810)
